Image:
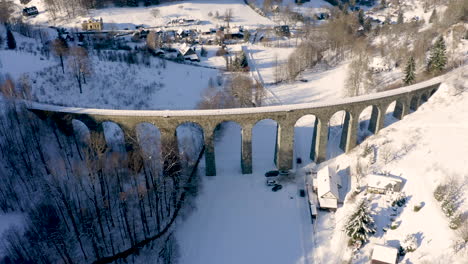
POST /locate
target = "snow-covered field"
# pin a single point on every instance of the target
(126, 17)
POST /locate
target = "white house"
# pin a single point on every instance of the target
(382, 183)
(384, 255)
(327, 188)
(188, 53)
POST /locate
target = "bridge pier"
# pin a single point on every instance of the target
(414, 104)
(349, 134)
(377, 119)
(318, 151)
(401, 109)
(284, 147)
(246, 149)
(210, 161)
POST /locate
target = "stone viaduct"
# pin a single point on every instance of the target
(406, 99)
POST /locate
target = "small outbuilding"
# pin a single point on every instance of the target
(384, 255)
(382, 183)
(327, 188)
(30, 11)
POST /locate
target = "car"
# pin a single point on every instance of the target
(272, 173)
(284, 172)
(298, 160)
(271, 182)
(277, 187)
(301, 193)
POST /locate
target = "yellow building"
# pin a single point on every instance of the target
(92, 24)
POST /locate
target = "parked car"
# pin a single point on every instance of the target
(301, 193)
(272, 173)
(298, 160)
(284, 172)
(271, 182)
(277, 187)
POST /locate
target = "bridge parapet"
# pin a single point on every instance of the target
(286, 116)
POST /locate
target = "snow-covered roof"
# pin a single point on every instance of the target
(326, 183)
(184, 48)
(328, 203)
(382, 181)
(265, 109)
(384, 254)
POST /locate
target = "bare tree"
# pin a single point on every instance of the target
(228, 16)
(60, 48)
(80, 64)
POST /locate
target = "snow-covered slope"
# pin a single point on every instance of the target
(428, 147)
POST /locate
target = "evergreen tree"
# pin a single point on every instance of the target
(11, 42)
(243, 61)
(360, 224)
(438, 57)
(361, 18)
(410, 71)
(433, 17)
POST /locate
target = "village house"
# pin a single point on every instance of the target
(383, 183)
(188, 53)
(384, 255)
(282, 31)
(30, 11)
(92, 24)
(327, 183)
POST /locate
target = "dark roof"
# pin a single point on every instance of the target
(30, 11)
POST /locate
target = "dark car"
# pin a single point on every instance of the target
(277, 187)
(272, 173)
(301, 193)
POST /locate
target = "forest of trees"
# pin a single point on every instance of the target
(84, 202)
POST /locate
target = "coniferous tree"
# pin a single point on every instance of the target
(410, 71)
(360, 224)
(11, 42)
(438, 57)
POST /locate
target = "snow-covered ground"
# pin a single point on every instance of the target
(128, 17)
(238, 219)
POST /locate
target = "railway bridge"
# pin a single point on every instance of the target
(404, 100)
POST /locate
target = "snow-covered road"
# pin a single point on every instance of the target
(238, 218)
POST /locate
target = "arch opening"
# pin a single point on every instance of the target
(366, 122)
(304, 130)
(227, 145)
(190, 139)
(114, 136)
(264, 144)
(390, 114)
(149, 141)
(336, 136)
(414, 103)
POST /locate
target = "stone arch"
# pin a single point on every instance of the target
(305, 127)
(390, 114)
(81, 131)
(115, 136)
(424, 98)
(227, 137)
(433, 91)
(341, 134)
(265, 136)
(371, 120)
(190, 138)
(148, 137)
(414, 102)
